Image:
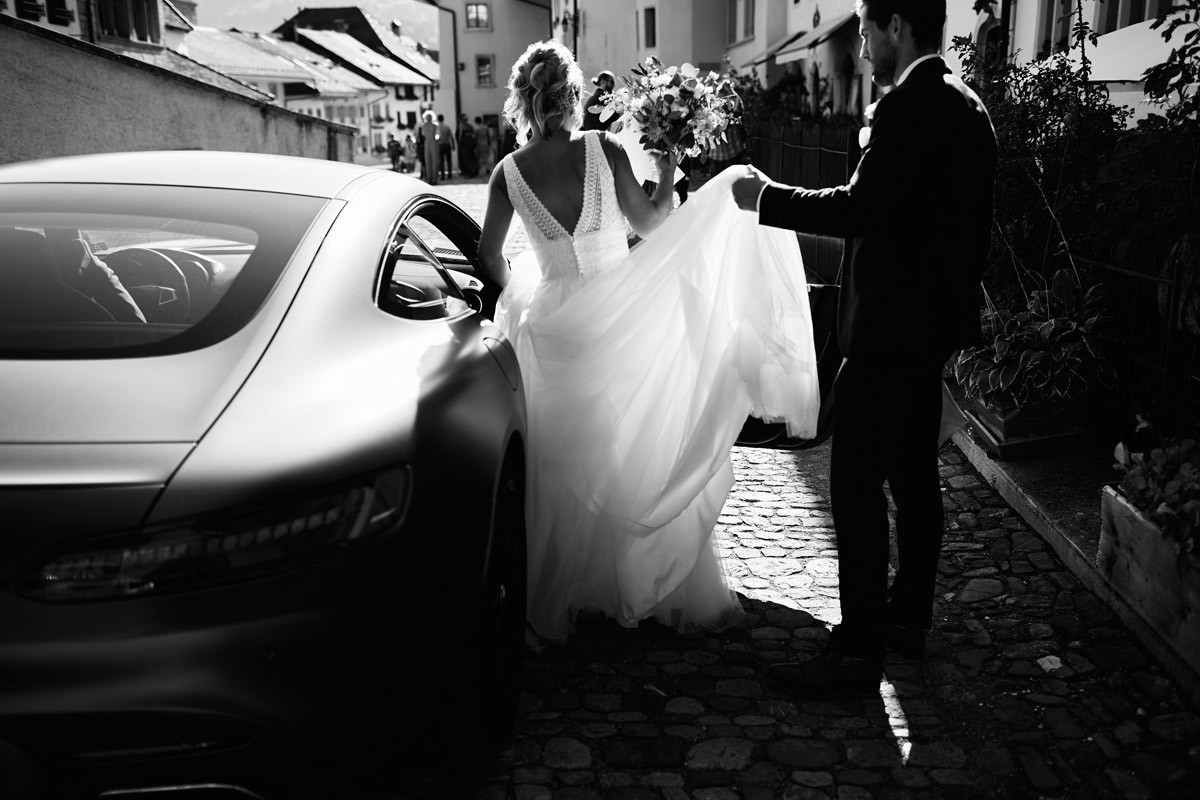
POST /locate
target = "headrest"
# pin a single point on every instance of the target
(73, 258)
(25, 256)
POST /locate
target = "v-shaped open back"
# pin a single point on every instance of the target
(597, 239)
(551, 225)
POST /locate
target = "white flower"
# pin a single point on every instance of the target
(864, 136)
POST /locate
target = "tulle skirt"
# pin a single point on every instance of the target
(638, 382)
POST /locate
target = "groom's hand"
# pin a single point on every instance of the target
(747, 189)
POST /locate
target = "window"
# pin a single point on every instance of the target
(136, 20)
(410, 119)
(1056, 27)
(731, 22)
(164, 244)
(1108, 11)
(478, 16)
(748, 26)
(651, 32)
(485, 70)
(426, 272)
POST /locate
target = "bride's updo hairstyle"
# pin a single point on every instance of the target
(544, 90)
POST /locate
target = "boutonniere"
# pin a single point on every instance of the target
(864, 133)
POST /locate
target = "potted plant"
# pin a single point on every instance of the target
(1032, 382)
(1150, 539)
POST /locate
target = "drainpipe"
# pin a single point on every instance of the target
(454, 35)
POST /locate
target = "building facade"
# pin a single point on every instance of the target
(330, 91)
(401, 68)
(599, 34)
(681, 31)
(477, 45)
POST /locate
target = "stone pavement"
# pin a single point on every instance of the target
(1030, 687)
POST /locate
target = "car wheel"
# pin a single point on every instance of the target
(503, 636)
(488, 705)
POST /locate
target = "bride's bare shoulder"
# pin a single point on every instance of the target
(614, 151)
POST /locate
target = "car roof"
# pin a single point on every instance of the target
(207, 168)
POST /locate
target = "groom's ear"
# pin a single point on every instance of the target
(894, 26)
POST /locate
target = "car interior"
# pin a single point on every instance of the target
(125, 285)
(430, 271)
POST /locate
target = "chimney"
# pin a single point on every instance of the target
(396, 27)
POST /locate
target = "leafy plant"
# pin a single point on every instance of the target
(1049, 354)
(1164, 483)
(1054, 129)
(1152, 182)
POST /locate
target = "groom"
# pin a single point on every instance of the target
(917, 212)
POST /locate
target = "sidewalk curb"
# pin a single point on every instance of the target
(1082, 565)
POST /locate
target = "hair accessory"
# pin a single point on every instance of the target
(563, 99)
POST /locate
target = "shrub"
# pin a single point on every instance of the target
(1048, 355)
(1164, 483)
(1054, 130)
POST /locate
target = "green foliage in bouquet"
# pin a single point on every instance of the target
(1164, 484)
(1052, 353)
(676, 108)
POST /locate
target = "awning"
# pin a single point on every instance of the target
(1123, 55)
(767, 56)
(813, 38)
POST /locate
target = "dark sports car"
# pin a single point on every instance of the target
(261, 479)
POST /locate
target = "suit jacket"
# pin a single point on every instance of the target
(918, 211)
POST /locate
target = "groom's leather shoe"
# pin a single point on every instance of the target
(908, 642)
(830, 670)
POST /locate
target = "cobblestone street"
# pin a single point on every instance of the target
(1030, 686)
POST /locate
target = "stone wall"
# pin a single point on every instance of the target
(60, 96)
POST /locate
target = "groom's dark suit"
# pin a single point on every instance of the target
(918, 212)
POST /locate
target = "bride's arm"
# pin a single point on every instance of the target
(496, 220)
(644, 213)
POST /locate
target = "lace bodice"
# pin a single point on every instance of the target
(599, 239)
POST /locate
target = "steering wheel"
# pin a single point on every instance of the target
(141, 269)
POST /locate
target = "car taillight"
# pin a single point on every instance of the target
(211, 550)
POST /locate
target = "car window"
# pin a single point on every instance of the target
(104, 271)
(429, 271)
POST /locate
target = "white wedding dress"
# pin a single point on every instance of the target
(640, 368)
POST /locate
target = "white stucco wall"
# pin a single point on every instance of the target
(64, 97)
(606, 39)
(691, 31)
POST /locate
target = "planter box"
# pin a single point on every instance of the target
(1034, 422)
(1143, 568)
(1026, 434)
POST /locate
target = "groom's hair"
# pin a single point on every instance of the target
(927, 18)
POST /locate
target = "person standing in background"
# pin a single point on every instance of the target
(483, 145)
(393, 152)
(429, 148)
(604, 82)
(445, 143)
(468, 163)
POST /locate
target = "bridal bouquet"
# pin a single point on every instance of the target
(675, 108)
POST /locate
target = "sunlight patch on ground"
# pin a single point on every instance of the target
(897, 720)
(769, 520)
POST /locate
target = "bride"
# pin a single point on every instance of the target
(640, 366)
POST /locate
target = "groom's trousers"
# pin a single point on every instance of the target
(887, 414)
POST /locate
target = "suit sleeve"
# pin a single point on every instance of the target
(869, 202)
